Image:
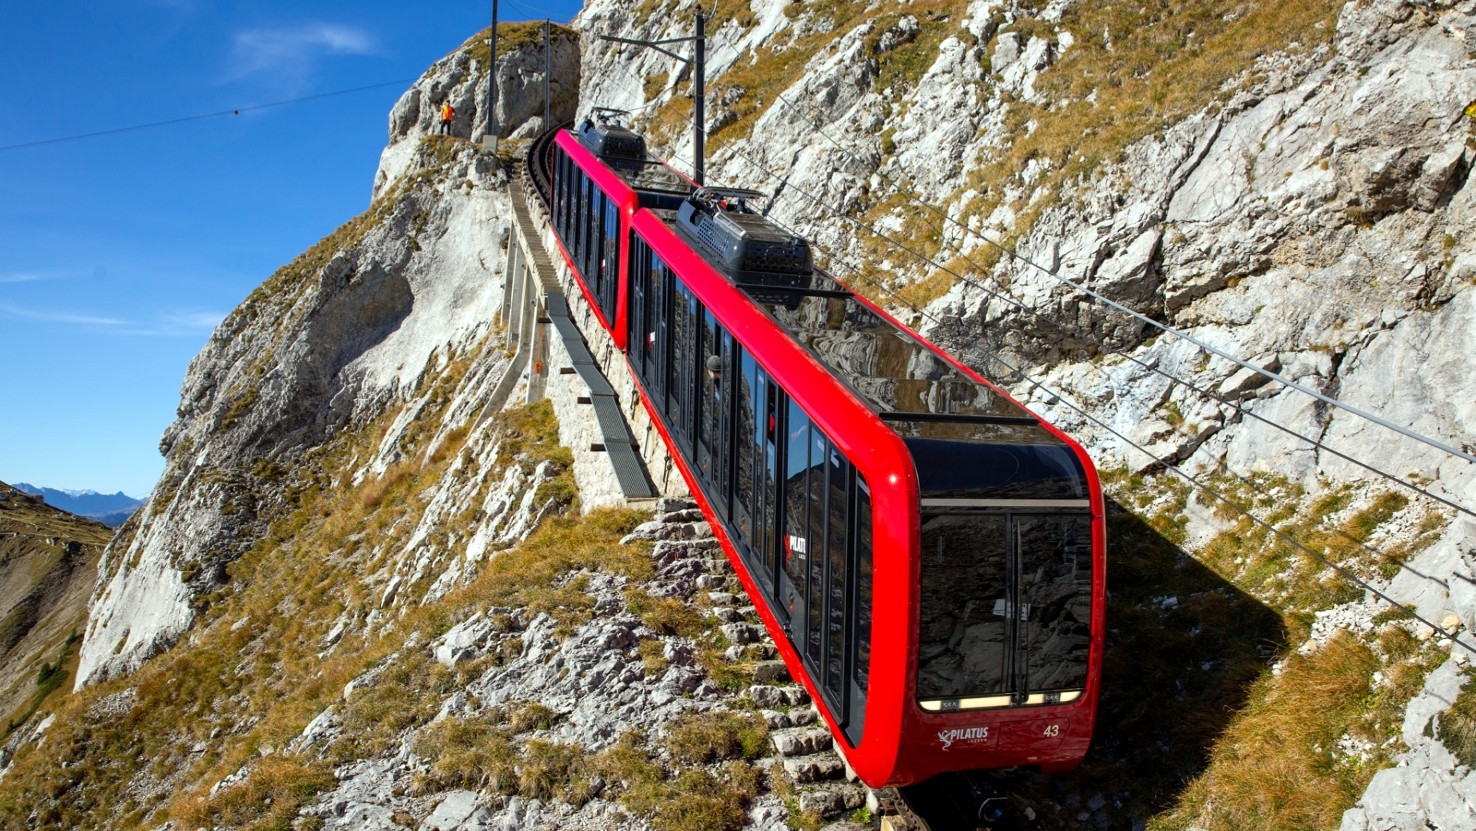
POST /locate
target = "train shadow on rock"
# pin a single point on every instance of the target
(1184, 647)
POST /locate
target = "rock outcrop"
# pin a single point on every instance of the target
(353, 326)
(1313, 217)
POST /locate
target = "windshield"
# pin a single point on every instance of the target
(1005, 608)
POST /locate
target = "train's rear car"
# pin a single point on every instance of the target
(601, 176)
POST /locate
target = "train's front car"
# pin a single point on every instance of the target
(1007, 552)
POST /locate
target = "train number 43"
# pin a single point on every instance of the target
(1052, 730)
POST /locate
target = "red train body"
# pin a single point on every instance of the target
(927, 555)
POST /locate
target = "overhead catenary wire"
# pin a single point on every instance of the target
(1160, 461)
(1015, 255)
(235, 111)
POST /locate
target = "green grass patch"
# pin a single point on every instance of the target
(1457, 726)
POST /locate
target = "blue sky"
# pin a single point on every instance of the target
(120, 253)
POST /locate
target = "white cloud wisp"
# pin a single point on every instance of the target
(289, 52)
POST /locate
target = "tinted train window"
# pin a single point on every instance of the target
(639, 333)
(795, 548)
(745, 446)
(863, 585)
(1056, 589)
(964, 613)
(610, 259)
(819, 455)
(1005, 609)
(837, 472)
(684, 356)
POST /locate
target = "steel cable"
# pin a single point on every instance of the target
(914, 197)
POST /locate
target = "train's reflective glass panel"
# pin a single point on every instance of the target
(1005, 607)
(1055, 599)
(965, 608)
(886, 364)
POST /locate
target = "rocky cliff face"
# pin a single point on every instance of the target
(1288, 185)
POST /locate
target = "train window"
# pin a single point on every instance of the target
(610, 263)
(1056, 586)
(593, 274)
(836, 475)
(681, 393)
(966, 613)
(708, 399)
(815, 635)
(712, 379)
(1006, 608)
(588, 216)
(744, 446)
(766, 411)
(796, 532)
(725, 421)
(660, 327)
(635, 336)
(861, 672)
(566, 194)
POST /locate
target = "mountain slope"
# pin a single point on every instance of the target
(48, 564)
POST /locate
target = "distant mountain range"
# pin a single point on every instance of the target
(111, 509)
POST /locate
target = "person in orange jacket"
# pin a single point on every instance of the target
(448, 113)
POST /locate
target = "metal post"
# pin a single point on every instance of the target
(489, 138)
(699, 69)
(547, 71)
(698, 64)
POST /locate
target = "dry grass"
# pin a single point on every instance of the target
(1196, 712)
(467, 753)
(251, 676)
(268, 799)
(1149, 65)
(1271, 568)
(518, 34)
(665, 615)
(694, 800)
(534, 715)
(700, 738)
(1278, 765)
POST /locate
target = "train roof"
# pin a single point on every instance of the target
(969, 440)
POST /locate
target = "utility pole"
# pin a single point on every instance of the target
(699, 81)
(699, 97)
(489, 137)
(547, 71)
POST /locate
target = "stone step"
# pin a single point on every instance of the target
(770, 672)
(818, 767)
(832, 800)
(771, 697)
(800, 741)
